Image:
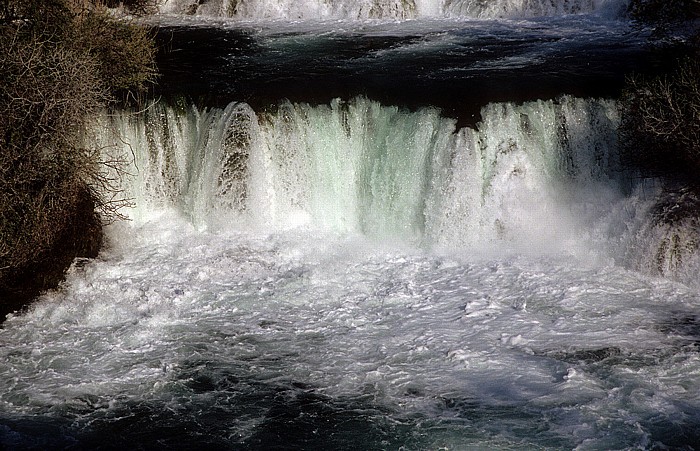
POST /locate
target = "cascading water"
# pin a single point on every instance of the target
(270, 282)
(365, 168)
(536, 178)
(391, 9)
(350, 274)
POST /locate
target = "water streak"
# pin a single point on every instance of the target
(523, 176)
(391, 9)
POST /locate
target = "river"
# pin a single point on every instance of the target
(411, 231)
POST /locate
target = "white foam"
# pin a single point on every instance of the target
(352, 319)
(536, 178)
(391, 9)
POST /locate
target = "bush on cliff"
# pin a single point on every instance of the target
(61, 62)
(660, 126)
(125, 53)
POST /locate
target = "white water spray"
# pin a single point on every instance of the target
(523, 177)
(543, 177)
(391, 9)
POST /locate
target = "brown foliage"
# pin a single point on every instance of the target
(61, 63)
(125, 53)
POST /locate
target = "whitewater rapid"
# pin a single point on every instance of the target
(179, 337)
(390, 9)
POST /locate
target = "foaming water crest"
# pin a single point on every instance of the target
(392, 9)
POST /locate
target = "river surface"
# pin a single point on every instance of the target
(371, 234)
(457, 65)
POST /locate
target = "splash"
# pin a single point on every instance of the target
(391, 9)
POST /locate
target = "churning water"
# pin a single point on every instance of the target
(351, 274)
(391, 9)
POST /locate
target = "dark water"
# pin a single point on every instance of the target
(458, 66)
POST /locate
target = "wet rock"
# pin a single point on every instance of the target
(668, 244)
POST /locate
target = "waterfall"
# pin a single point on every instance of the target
(524, 175)
(391, 9)
(377, 267)
(376, 224)
(540, 177)
(181, 156)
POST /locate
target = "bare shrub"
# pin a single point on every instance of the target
(125, 53)
(61, 63)
(47, 95)
(661, 122)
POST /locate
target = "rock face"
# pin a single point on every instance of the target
(80, 237)
(670, 239)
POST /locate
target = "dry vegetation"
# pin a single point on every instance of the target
(661, 122)
(660, 127)
(61, 62)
